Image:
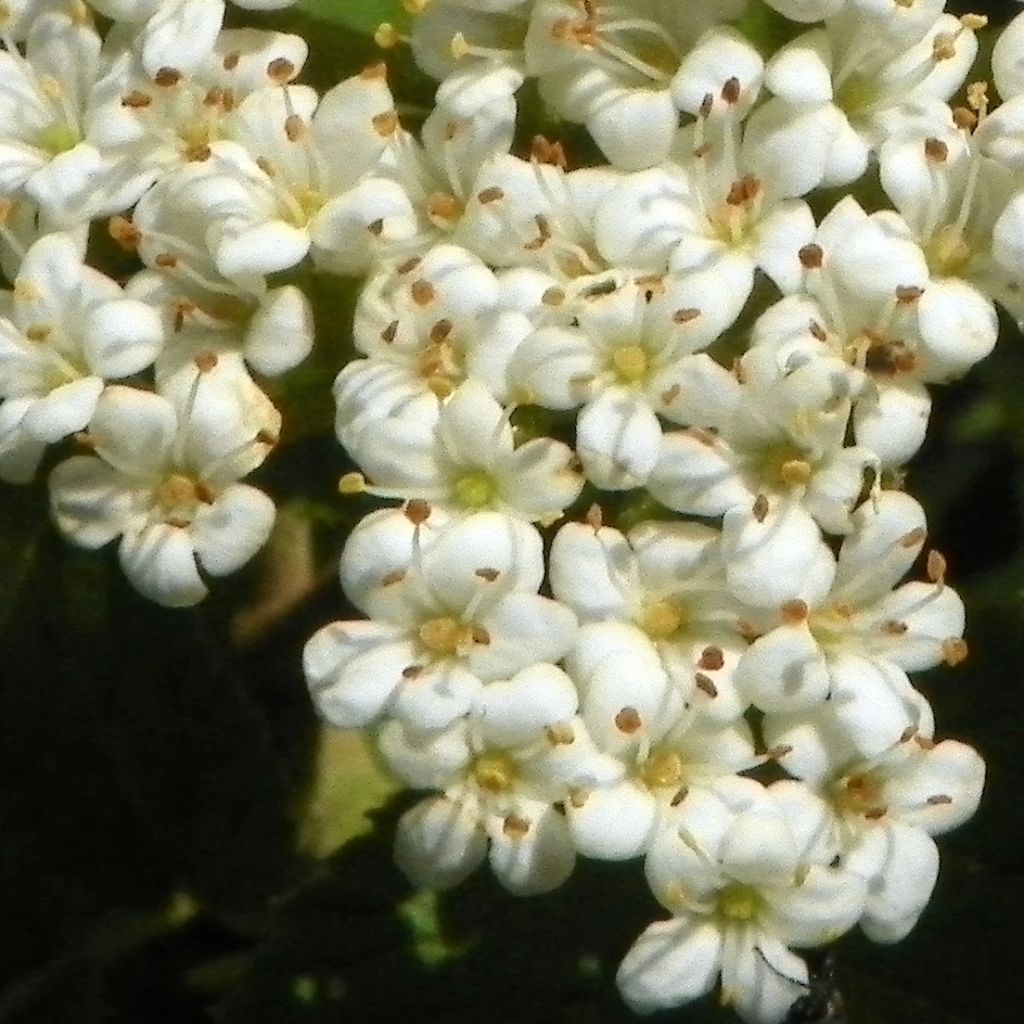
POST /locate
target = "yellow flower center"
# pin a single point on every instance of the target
(494, 773)
(739, 903)
(663, 619)
(630, 363)
(475, 490)
(59, 138)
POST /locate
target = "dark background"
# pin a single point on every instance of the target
(168, 803)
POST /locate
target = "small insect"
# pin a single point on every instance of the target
(823, 1001)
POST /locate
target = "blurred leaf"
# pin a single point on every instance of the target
(359, 15)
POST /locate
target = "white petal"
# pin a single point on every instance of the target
(617, 440)
(121, 338)
(64, 410)
(280, 334)
(229, 532)
(523, 629)
(534, 863)
(784, 670)
(696, 474)
(515, 712)
(133, 430)
(160, 563)
(439, 843)
(587, 569)
(891, 419)
(826, 903)
(671, 963)
(612, 823)
(89, 501)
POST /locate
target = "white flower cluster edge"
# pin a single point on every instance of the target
(673, 328)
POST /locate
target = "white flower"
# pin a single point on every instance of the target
(744, 871)
(626, 354)
(619, 67)
(501, 773)
(535, 213)
(425, 327)
(890, 808)
(465, 611)
(852, 84)
(661, 591)
(854, 641)
(43, 108)
(465, 459)
(165, 480)
(65, 330)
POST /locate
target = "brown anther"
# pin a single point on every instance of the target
(705, 685)
(761, 508)
(281, 70)
(935, 567)
(669, 395)
(679, 796)
(167, 78)
(743, 191)
(266, 437)
(177, 522)
(595, 517)
(794, 612)
(409, 265)
(231, 60)
(204, 493)
(543, 227)
(875, 813)
(490, 195)
(480, 636)
(84, 441)
(412, 671)
(578, 797)
(895, 628)
(198, 154)
(685, 316)
(266, 166)
(779, 751)
(731, 91)
(422, 292)
(374, 72)
(925, 742)
(560, 735)
(136, 100)
(125, 233)
(205, 361)
(748, 631)
(936, 150)
(391, 578)
(628, 720)
(38, 332)
(385, 124)
(943, 46)
(441, 331)
(811, 256)
(487, 573)
(594, 291)
(417, 511)
(817, 331)
(706, 105)
(553, 297)
(444, 207)
(913, 538)
(389, 333)
(543, 151)
(376, 227)
(954, 651)
(907, 294)
(939, 799)
(711, 659)
(515, 827)
(966, 120)
(294, 128)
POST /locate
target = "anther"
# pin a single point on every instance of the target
(913, 538)
(389, 333)
(705, 685)
(966, 120)
(376, 227)
(487, 573)
(936, 567)
(490, 195)
(136, 100)
(441, 331)
(553, 297)
(412, 671)
(939, 799)
(936, 150)
(167, 78)
(352, 483)
(561, 735)
(422, 292)
(779, 751)
(231, 60)
(281, 71)
(125, 233)
(595, 517)
(544, 151)
(711, 659)
(908, 294)
(417, 511)
(794, 612)
(391, 578)
(386, 124)
(515, 827)
(409, 265)
(760, 508)
(685, 316)
(731, 91)
(628, 720)
(205, 361)
(294, 128)
(954, 651)
(811, 256)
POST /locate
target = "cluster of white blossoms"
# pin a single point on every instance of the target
(685, 342)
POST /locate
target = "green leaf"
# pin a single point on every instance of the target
(360, 15)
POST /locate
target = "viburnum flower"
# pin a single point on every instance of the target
(620, 67)
(501, 774)
(745, 872)
(425, 327)
(142, 125)
(66, 330)
(43, 109)
(535, 213)
(854, 641)
(463, 613)
(858, 80)
(625, 351)
(659, 595)
(177, 33)
(465, 459)
(203, 310)
(165, 479)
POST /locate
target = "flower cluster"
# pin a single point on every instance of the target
(639, 590)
